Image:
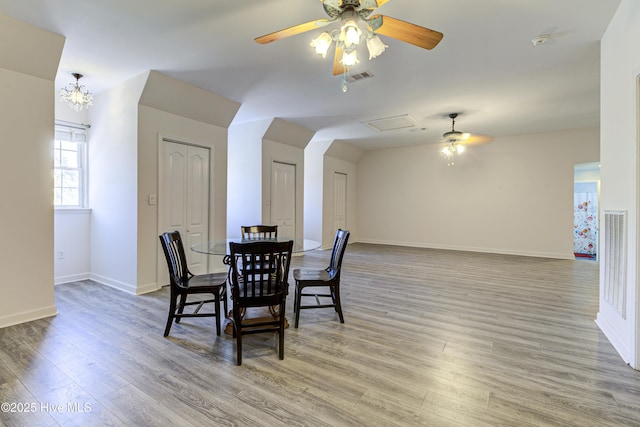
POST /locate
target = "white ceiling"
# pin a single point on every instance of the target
(485, 67)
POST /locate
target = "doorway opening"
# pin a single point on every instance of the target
(586, 194)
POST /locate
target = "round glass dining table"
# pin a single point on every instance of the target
(221, 247)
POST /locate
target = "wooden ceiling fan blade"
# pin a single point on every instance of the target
(474, 139)
(405, 31)
(292, 31)
(338, 68)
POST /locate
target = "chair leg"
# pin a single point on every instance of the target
(224, 301)
(217, 316)
(296, 304)
(335, 291)
(281, 333)
(183, 299)
(172, 310)
(237, 330)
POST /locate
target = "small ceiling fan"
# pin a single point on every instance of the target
(463, 138)
(455, 140)
(354, 16)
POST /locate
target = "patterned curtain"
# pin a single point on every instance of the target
(585, 224)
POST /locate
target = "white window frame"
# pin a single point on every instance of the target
(77, 133)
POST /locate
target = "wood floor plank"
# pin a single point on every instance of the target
(431, 337)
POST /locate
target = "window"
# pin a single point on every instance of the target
(69, 166)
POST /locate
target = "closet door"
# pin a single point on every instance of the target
(283, 198)
(184, 199)
(339, 201)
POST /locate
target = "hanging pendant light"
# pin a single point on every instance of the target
(76, 95)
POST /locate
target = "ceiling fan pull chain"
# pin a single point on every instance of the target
(345, 78)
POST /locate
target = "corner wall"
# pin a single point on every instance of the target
(26, 169)
(253, 147)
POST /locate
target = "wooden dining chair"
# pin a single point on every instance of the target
(328, 278)
(264, 285)
(259, 231)
(184, 284)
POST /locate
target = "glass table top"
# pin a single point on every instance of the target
(221, 247)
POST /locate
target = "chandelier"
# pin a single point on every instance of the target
(76, 95)
(347, 38)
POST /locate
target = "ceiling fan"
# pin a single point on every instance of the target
(463, 138)
(455, 140)
(355, 16)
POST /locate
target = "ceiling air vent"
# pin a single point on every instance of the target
(403, 122)
(360, 76)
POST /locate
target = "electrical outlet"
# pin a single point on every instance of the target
(60, 254)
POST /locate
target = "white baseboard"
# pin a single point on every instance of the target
(125, 287)
(556, 255)
(71, 278)
(28, 316)
(145, 289)
(614, 338)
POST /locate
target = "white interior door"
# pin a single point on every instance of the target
(184, 200)
(197, 204)
(283, 198)
(339, 201)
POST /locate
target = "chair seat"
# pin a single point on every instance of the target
(309, 275)
(204, 281)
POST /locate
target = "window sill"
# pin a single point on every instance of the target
(72, 210)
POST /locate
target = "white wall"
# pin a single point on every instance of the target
(513, 196)
(113, 185)
(314, 210)
(71, 249)
(619, 159)
(26, 170)
(244, 195)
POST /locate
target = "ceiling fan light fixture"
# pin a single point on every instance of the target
(451, 150)
(350, 33)
(357, 26)
(349, 58)
(376, 46)
(322, 43)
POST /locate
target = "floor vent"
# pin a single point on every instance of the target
(615, 260)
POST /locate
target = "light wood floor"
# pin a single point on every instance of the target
(437, 338)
